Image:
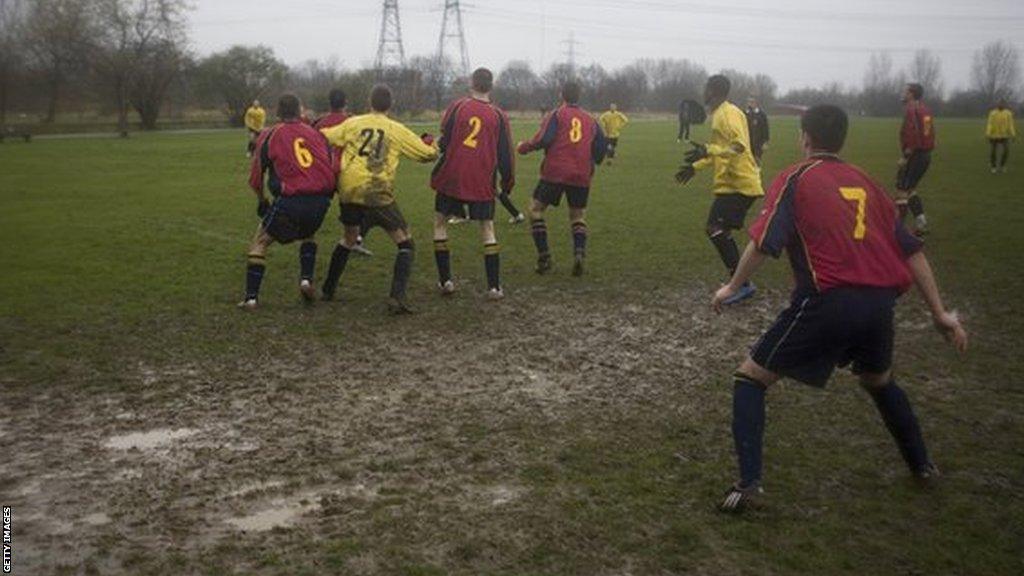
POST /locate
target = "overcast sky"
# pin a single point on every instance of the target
(797, 42)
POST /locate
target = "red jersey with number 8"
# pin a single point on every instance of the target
(837, 225)
(476, 148)
(572, 143)
(297, 159)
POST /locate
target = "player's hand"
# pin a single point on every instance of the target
(427, 138)
(685, 173)
(764, 146)
(522, 149)
(721, 295)
(902, 162)
(699, 152)
(948, 324)
(263, 207)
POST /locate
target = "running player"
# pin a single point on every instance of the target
(612, 123)
(573, 144)
(476, 146)
(917, 140)
(255, 120)
(295, 161)
(372, 145)
(851, 259)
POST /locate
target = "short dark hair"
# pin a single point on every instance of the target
(571, 92)
(482, 80)
(825, 126)
(916, 90)
(380, 98)
(718, 85)
(288, 106)
(337, 99)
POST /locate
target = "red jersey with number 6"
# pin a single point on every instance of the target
(297, 160)
(572, 142)
(476, 148)
(837, 225)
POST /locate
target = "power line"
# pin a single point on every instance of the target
(453, 32)
(390, 51)
(570, 51)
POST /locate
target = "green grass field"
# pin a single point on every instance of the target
(581, 426)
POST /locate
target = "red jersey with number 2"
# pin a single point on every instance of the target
(476, 148)
(297, 159)
(837, 225)
(572, 144)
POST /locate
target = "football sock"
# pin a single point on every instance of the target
(727, 250)
(254, 276)
(992, 155)
(1006, 155)
(507, 203)
(307, 260)
(403, 268)
(894, 406)
(443, 258)
(338, 260)
(579, 238)
(915, 205)
(902, 207)
(492, 265)
(748, 426)
(539, 229)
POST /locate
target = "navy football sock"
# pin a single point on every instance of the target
(443, 258)
(254, 276)
(403, 268)
(915, 205)
(894, 406)
(902, 208)
(748, 426)
(579, 238)
(507, 203)
(727, 250)
(338, 261)
(492, 265)
(307, 260)
(539, 229)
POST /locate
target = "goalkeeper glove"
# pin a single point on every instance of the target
(685, 174)
(699, 152)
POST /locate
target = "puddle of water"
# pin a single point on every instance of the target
(255, 487)
(282, 513)
(96, 519)
(148, 440)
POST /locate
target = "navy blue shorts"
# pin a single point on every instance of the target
(911, 172)
(817, 333)
(444, 204)
(294, 218)
(550, 194)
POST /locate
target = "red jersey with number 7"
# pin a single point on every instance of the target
(838, 226)
(572, 142)
(476, 149)
(297, 160)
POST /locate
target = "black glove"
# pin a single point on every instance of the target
(263, 207)
(699, 152)
(685, 174)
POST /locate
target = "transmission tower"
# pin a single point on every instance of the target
(452, 32)
(570, 52)
(390, 52)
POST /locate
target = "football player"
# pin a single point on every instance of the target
(737, 179)
(372, 145)
(476, 146)
(917, 140)
(851, 260)
(999, 130)
(255, 120)
(612, 121)
(295, 161)
(573, 144)
(757, 126)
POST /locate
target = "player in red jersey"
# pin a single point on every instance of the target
(917, 140)
(297, 164)
(573, 144)
(476, 146)
(852, 259)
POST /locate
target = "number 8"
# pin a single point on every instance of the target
(576, 131)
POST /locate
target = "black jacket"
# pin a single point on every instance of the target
(757, 123)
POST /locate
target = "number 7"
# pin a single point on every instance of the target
(860, 196)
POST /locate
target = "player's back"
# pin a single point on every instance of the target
(299, 157)
(475, 144)
(569, 158)
(918, 130)
(848, 226)
(330, 120)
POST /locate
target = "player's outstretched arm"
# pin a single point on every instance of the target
(751, 260)
(945, 322)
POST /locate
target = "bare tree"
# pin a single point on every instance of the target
(155, 71)
(516, 85)
(239, 75)
(12, 17)
(926, 70)
(56, 36)
(881, 86)
(996, 71)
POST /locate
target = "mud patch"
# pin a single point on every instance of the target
(150, 440)
(279, 513)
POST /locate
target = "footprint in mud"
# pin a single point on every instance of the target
(150, 440)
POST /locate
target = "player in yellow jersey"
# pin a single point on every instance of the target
(737, 178)
(612, 123)
(371, 146)
(255, 120)
(999, 130)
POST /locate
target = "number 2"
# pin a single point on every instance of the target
(474, 124)
(368, 134)
(576, 131)
(302, 154)
(860, 196)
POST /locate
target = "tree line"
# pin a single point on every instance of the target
(131, 59)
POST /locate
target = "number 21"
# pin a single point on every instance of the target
(860, 196)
